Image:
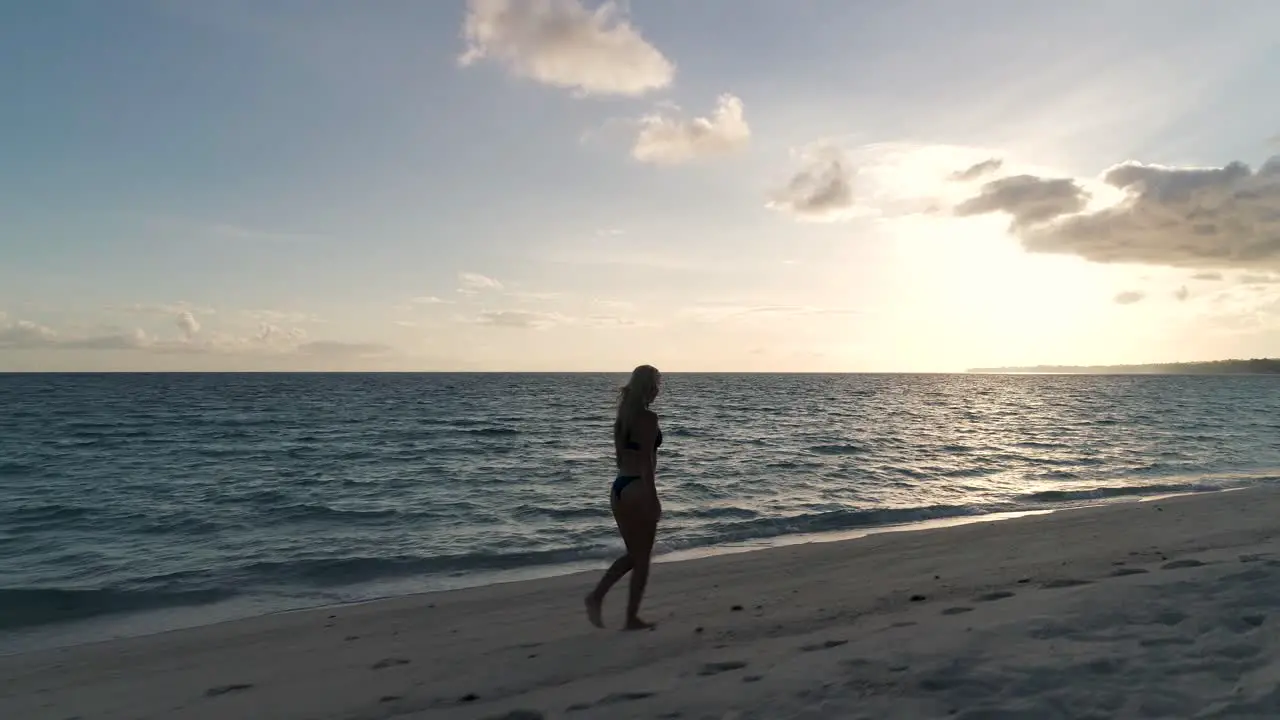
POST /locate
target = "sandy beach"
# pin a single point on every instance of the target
(1157, 609)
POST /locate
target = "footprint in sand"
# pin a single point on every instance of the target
(1166, 642)
(993, 596)
(1254, 620)
(716, 668)
(519, 715)
(224, 689)
(958, 610)
(1065, 583)
(389, 662)
(827, 645)
(1124, 571)
(1178, 564)
(625, 697)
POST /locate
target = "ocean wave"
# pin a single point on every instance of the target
(354, 570)
(1106, 493)
(846, 449)
(23, 607)
(833, 521)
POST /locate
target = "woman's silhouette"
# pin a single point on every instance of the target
(634, 495)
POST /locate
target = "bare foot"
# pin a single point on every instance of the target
(594, 610)
(636, 623)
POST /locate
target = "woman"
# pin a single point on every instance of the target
(634, 496)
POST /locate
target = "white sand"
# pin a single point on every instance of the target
(1161, 609)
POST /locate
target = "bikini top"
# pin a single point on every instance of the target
(633, 445)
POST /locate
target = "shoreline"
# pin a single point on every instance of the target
(145, 623)
(1157, 608)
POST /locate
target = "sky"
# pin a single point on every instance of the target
(558, 185)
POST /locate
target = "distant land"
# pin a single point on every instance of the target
(1257, 366)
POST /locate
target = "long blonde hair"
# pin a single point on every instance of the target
(634, 398)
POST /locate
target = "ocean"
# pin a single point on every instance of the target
(132, 503)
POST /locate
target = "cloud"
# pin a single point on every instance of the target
(26, 334)
(1181, 294)
(331, 348)
(188, 324)
(522, 319)
(528, 296)
(1211, 276)
(1029, 199)
(1129, 297)
(667, 139)
(821, 191)
(429, 300)
(1214, 217)
(1258, 279)
(720, 312)
(224, 231)
(986, 167)
(289, 317)
(173, 308)
(564, 44)
(470, 283)
(268, 340)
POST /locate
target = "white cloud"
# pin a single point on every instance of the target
(527, 296)
(28, 335)
(25, 334)
(333, 348)
(429, 300)
(470, 283)
(669, 139)
(563, 43)
(822, 190)
(188, 324)
(715, 312)
(525, 319)
(1129, 297)
(289, 317)
(267, 340)
(172, 308)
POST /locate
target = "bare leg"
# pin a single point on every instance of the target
(639, 578)
(595, 599)
(639, 531)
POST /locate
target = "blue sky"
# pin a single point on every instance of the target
(565, 184)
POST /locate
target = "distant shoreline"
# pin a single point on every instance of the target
(1257, 366)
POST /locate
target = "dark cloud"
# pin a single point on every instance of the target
(986, 167)
(1259, 279)
(1227, 217)
(1211, 276)
(822, 190)
(1129, 297)
(1029, 199)
(1181, 294)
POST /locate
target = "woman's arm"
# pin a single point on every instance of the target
(645, 433)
